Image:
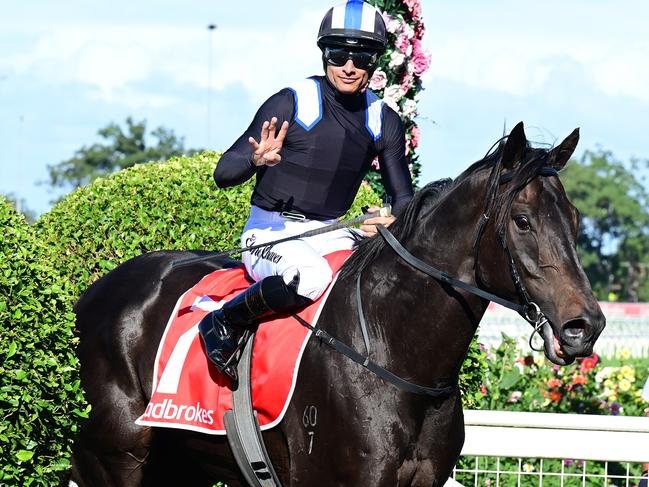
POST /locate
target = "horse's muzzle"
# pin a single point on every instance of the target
(578, 335)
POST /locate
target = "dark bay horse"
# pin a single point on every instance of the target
(505, 218)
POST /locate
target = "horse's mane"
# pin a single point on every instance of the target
(427, 198)
(367, 249)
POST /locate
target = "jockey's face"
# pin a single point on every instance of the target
(348, 79)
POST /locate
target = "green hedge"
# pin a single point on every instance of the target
(40, 396)
(170, 205)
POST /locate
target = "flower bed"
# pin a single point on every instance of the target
(518, 380)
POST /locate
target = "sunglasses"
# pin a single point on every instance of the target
(361, 59)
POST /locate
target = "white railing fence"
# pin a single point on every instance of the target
(517, 448)
(627, 327)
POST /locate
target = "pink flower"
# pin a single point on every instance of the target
(406, 82)
(375, 164)
(415, 8)
(420, 58)
(419, 30)
(415, 134)
(379, 80)
(403, 43)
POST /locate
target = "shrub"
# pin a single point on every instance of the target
(40, 396)
(168, 205)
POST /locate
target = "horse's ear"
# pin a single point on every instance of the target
(561, 153)
(514, 147)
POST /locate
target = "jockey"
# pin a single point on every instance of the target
(318, 139)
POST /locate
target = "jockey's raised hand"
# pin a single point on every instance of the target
(270, 143)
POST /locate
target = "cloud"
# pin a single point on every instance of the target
(505, 48)
(114, 60)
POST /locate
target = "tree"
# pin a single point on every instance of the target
(614, 230)
(120, 149)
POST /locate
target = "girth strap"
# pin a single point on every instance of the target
(373, 367)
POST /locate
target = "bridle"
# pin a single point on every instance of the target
(529, 310)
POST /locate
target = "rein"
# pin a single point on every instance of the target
(373, 367)
(530, 311)
(383, 211)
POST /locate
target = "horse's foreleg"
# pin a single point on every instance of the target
(438, 447)
(111, 450)
(96, 463)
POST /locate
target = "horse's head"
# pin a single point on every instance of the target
(533, 235)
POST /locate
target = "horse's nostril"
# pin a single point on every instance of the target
(574, 329)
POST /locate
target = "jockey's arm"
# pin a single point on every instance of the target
(393, 164)
(395, 174)
(236, 166)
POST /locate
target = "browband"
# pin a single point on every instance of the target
(542, 171)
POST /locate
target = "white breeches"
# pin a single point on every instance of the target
(296, 259)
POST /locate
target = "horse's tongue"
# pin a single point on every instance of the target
(557, 347)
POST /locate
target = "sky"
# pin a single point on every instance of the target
(69, 68)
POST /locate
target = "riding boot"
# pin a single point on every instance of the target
(225, 331)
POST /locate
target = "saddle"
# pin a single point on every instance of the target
(190, 393)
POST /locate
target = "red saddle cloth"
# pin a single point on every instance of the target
(190, 393)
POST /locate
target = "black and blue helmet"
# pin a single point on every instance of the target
(354, 24)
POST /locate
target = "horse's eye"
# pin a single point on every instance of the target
(522, 222)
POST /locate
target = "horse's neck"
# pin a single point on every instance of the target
(424, 327)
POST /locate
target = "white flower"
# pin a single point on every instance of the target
(379, 80)
(409, 108)
(393, 92)
(396, 59)
(391, 96)
(393, 25)
(603, 374)
(515, 397)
